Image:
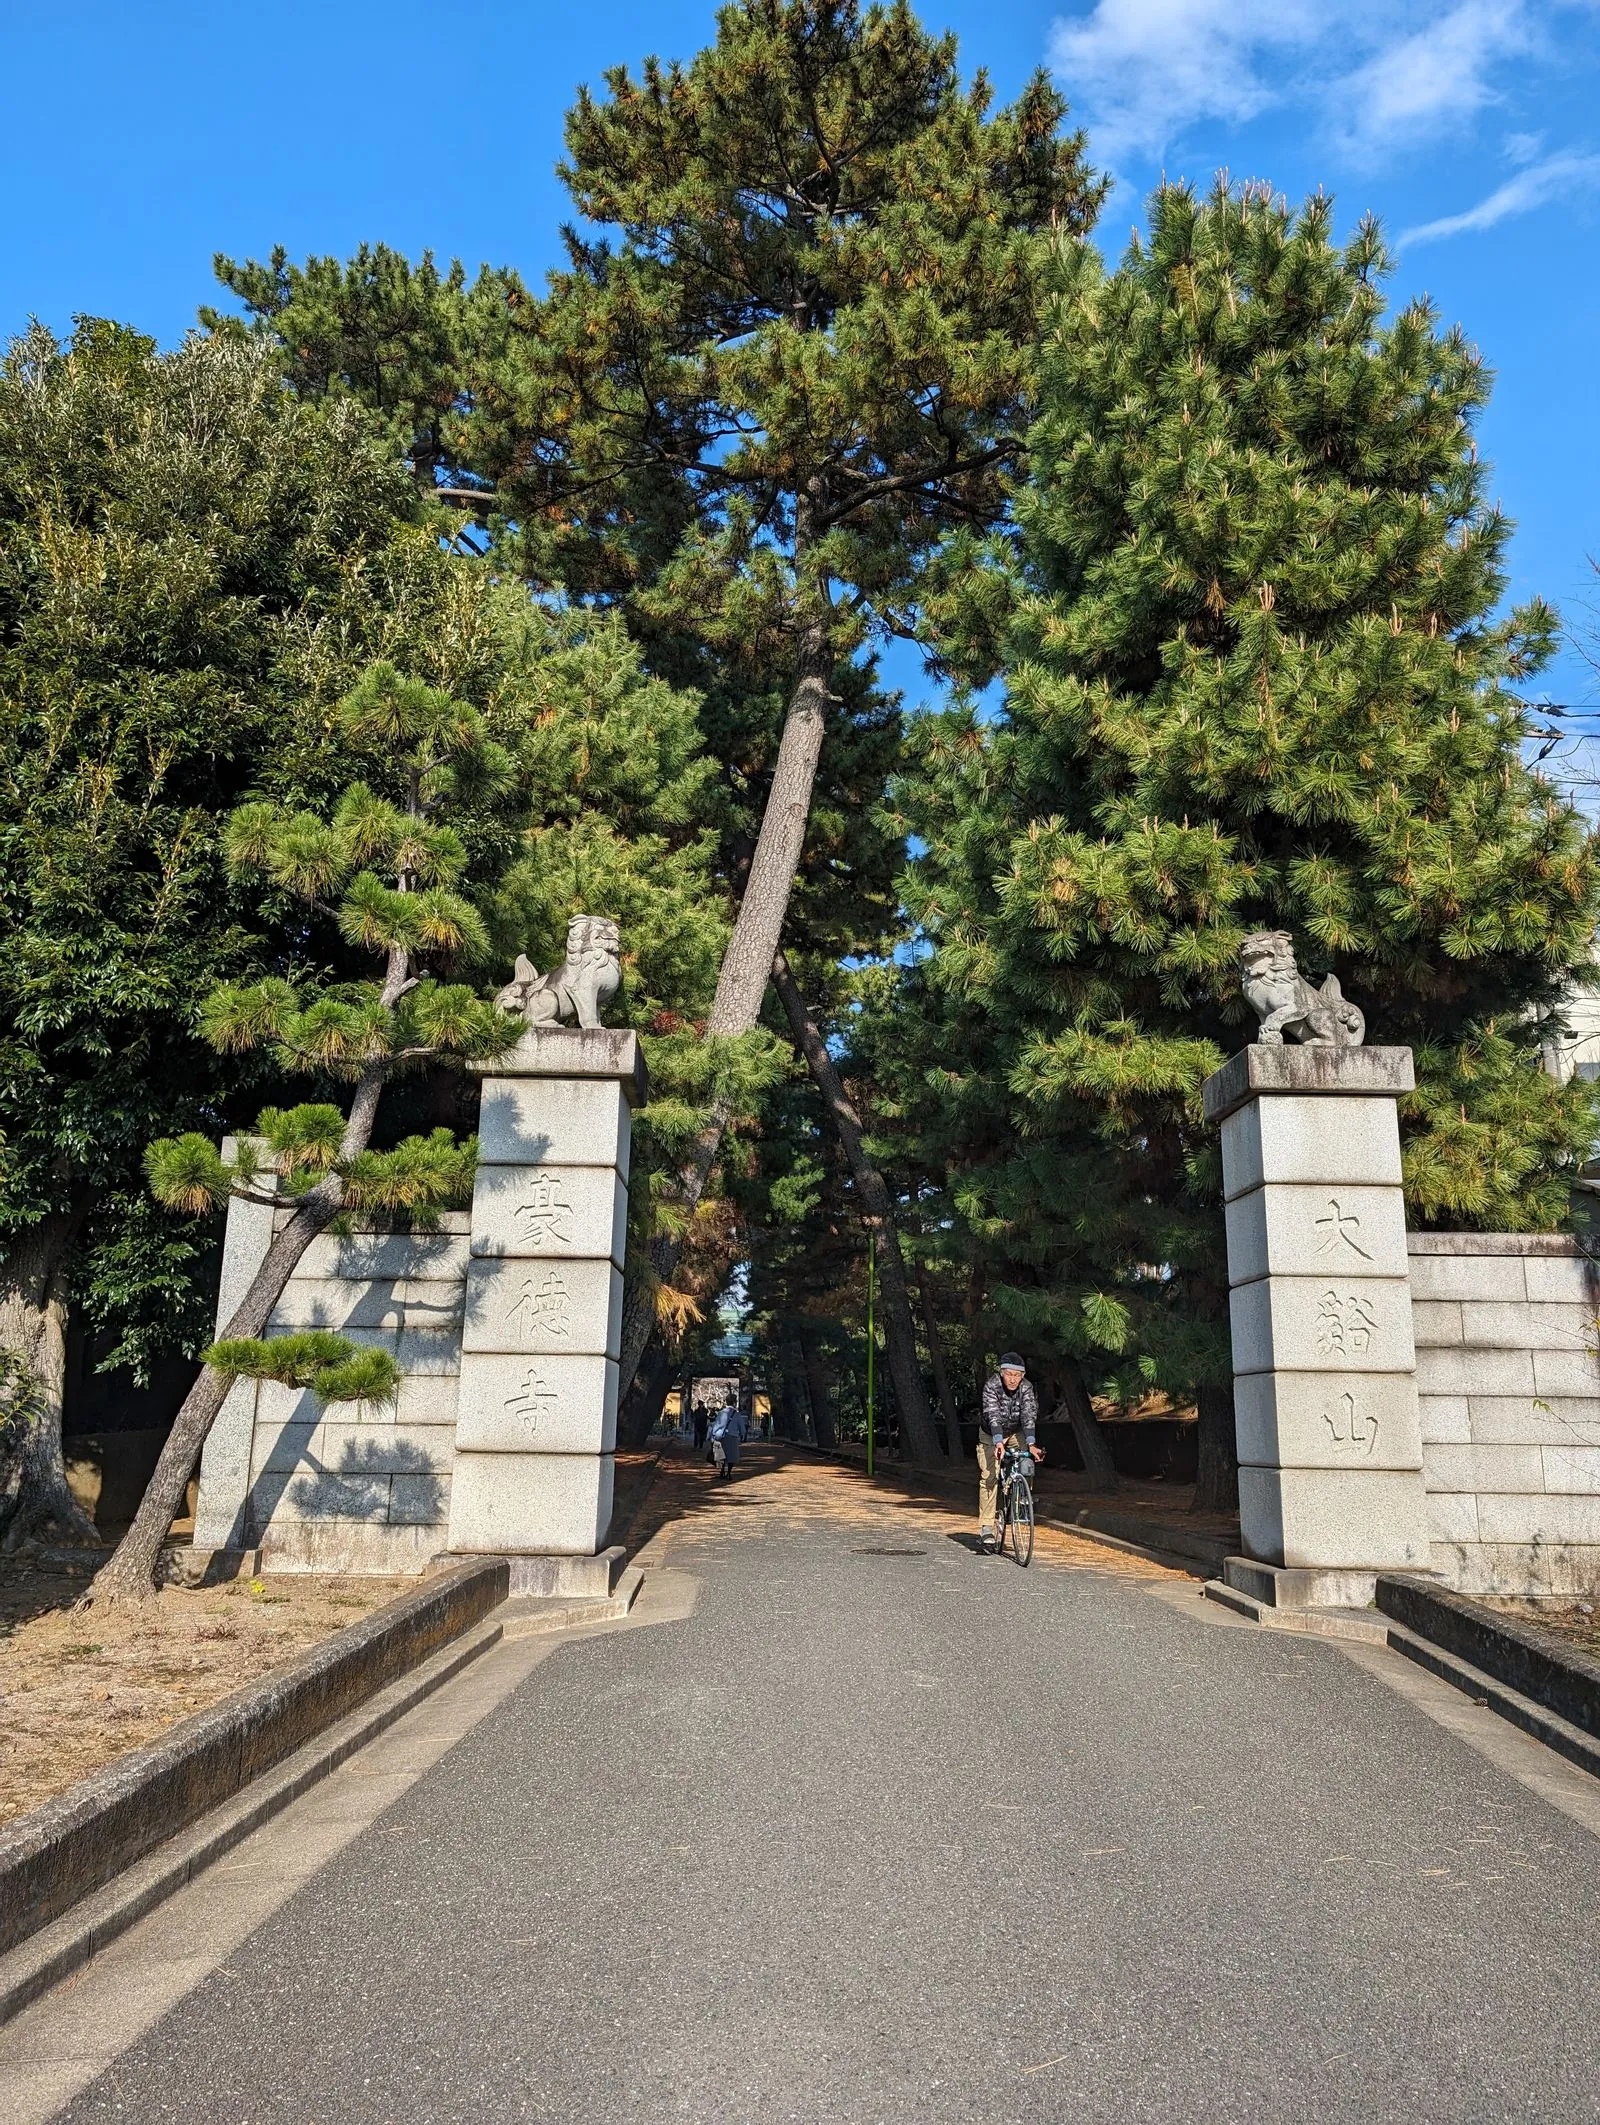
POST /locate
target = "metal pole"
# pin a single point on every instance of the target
(872, 1334)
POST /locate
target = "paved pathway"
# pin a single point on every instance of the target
(849, 1824)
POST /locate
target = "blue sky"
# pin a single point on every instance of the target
(146, 135)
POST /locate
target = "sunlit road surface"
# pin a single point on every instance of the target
(851, 1823)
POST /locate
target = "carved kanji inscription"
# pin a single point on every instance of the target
(1345, 1324)
(1354, 1430)
(543, 1307)
(533, 1400)
(1338, 1231)
(544, 1214)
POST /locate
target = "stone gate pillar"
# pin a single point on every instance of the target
(536, 1414)
(1330, 1449)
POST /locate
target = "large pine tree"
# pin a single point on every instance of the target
(1254, 678)
(796, 351)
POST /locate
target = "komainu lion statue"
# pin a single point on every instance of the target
(575, 991)
(1285, 1001)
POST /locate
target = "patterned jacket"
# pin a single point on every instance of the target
(1005, 1413)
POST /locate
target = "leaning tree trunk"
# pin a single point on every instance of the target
(639, 1320)
(1216, 1475)
(1092, 1441)
(877, 1214)
(818, 1386)
(33, 1328)
(130, 1576)
(747, 963)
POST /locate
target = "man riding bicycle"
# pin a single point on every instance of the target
(1010, 1418)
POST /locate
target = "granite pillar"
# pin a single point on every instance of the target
(536, 1413)
(1325, 1393)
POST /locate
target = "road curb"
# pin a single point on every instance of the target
(58, 1949)
(59, 1853)
(1512, 1705)
(1537, 1664)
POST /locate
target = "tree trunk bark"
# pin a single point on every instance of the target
(974, 1313)
(941, 1372)
(646, 1398)
(1092, 1441)
(33, 1327)
(130, 1576)
(877, 1214)
(638, 1323)
(817, 1383)
(792, 1384)
(1216, 1476)
(747, 963)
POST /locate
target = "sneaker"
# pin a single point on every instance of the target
(986, 1541)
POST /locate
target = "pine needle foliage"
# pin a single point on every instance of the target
(333, 1369)
(796, 347)
(1254, 679)
(383, 873)
(411, 342)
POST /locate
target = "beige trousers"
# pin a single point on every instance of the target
(989, 1473)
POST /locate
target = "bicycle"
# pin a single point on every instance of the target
(1013, 1509)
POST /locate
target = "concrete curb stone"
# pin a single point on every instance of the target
(1536, 1663)
(1511, 1704)
(58, 1853)
(93, 1923)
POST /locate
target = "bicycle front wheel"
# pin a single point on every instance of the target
(1021, 1521)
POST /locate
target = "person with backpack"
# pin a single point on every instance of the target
(729, 1431)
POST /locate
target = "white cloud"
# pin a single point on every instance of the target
(1522, 147)
(1377, 74)
(1415, 86)
(1557, 177)
(1143, 70)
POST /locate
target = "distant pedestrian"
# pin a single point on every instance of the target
(1010, 1418)
(729, 1430)
(702, 1417)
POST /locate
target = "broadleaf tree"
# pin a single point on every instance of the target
(382, 868)
(167, 523)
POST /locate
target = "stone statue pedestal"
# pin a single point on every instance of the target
(536, 1411)
(1325, 1396)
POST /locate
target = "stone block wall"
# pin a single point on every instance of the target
(345, 1489)
(1508, 1377)
(505, 1324)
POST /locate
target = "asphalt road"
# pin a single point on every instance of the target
(885, 1831)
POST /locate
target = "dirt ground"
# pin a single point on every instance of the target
(1576, 1620)
(77, 1691)
(683, 1507)
(1062, 1494)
